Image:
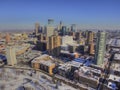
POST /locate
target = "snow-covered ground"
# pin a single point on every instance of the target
(14, 79)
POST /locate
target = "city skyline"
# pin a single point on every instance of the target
(94, 14)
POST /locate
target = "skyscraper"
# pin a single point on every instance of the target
(11, 55)
(37, 28)
(59, 27)
(50, 21)
(49, 29)
(73, 28)
(61, 24)
(100, 47)
(63, 30)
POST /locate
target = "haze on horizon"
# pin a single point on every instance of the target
(87, 14)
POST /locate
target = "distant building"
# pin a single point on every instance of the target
(73, 28)
(64, 30)
(11, 55)
(60, 26)
(7, 38)
(100, 47)
(50, 21)
(37, 28)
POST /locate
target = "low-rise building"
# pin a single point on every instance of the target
(87, 76)
(44, 63)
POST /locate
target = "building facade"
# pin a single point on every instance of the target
(11, 55)
(100, 47)
(37, 28)
(54, 44)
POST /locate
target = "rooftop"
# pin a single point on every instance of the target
(117, 56)
(43, 57)
(114, 78)
(114, 42)
(47, 63)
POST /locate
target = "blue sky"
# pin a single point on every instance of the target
(22, 14)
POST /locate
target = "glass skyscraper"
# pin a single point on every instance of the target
(100, 47)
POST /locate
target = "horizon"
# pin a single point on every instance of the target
(94, 14)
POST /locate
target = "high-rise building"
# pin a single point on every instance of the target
(11, 55)
(60, 26)
(100, 47)
(50, 21)
(92, 49)
(73, 28)
(37, 28)
(54, 45)
(64, 30)
(49, 29)
(90, 37)
(7, 38)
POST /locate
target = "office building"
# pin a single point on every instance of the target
(92, 49)
(50, 21)
(89, 37)
(60, 26)
(37, 28)
(11, 55)
(63, 30)
(73, 28)
(100, 47)
(54, 44)
(49, 29)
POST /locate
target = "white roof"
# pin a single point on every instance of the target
(116, 66)
(47, 63)
(114, 42)
(65, 66)
(76, 64)
(114, 78)
(117, 56)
